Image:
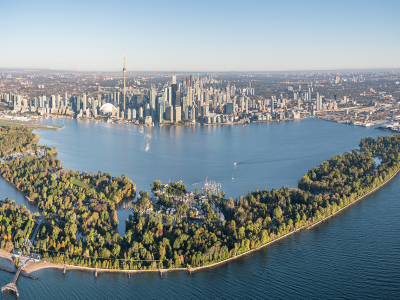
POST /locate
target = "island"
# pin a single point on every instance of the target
(77, 227)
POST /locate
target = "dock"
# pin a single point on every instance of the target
(23, 260)
(12, 286)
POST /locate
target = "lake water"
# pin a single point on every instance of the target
(354, 255)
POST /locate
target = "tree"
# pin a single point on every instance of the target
(116, 250)
(156, 185)
(277, 214)
(55, 233)
(148, 237)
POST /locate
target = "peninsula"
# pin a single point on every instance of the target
(78, 225)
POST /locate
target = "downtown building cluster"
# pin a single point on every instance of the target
(192, 99)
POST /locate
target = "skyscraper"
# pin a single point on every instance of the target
(319, 102)
(124, 70)
(174, 89)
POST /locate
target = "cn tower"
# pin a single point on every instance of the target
(124, 70)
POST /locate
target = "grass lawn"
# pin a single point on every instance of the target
(82, 184)
(28, 124)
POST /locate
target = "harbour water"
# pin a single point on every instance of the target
(354, 255)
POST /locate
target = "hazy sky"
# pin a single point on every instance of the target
(203, 35)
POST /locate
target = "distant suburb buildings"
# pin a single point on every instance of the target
(205, 98)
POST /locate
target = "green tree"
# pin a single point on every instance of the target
(277, 214)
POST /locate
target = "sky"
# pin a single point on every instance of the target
(199, 36)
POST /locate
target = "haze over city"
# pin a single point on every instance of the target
(200, 36)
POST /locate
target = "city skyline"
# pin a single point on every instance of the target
(217, 37)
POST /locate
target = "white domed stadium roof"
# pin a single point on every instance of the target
(107, 108)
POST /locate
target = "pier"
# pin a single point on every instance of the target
(23, 260)
(13, 285)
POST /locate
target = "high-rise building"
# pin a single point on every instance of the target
(187, 113)
(84, 102)
(140, 113)
(178, 114)
(169, 113)
(124, 98)
(160, 111)
(272, 104)
(174, 89)
(78, 104)
(178, 98)
(229, 108)
(319, 102)
(53, 101)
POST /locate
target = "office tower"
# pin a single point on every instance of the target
(53, 101)
(124, 99)
(58, 101)
(169, 100)
(78, 104)
(178, 98)
(169, 113)
(193, 113)
(229, 108)
(272, 104)
(187, 113)
(128, 115)
(185, 102)
(94, 110)
(319, 102)
(207, 97)
(174, 89)
(153, 95)
(133, 113)
(160, 111)
(178, 114)
(84, 102)
(140, 113)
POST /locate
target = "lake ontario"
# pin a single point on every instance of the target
(353, 255)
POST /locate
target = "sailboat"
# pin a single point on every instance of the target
(232, 177)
